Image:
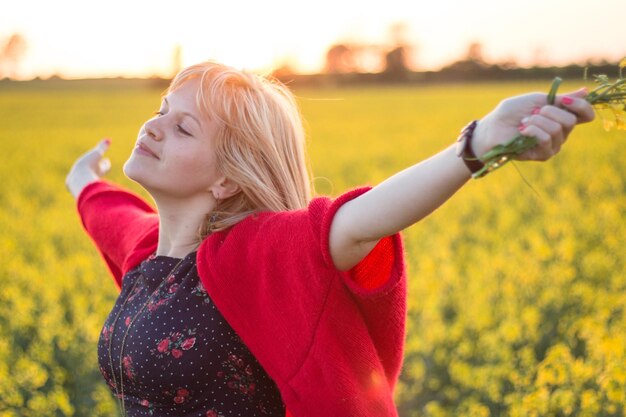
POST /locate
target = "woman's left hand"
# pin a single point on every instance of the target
(531, 115)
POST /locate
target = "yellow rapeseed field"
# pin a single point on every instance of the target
(517, 285)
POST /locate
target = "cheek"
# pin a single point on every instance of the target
(196, 167)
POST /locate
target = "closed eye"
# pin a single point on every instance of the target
(182, 130)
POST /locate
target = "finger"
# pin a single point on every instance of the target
(575, 103)
(104, 166)
(552, 128)
(93, 157)
(103, 146)
(580, 93)
(565, 119)
(544, 149)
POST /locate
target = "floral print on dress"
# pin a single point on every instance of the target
(238, 375)
(129, 369)
(106, 333)
(175, 344)
(200, 291)
(135, 292)
(179, 396)
(165, 293)
(213, 413)
(148, 405)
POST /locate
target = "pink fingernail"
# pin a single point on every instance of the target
(107, 141)
(567, 100)
(536, 110)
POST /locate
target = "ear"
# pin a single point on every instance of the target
(224, 188)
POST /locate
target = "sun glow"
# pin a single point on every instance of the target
(138, 38)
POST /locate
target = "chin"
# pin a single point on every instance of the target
(133, 171)
(138, 172)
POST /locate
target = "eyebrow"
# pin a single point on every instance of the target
(184, 113)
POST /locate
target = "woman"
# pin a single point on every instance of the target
(241, 295)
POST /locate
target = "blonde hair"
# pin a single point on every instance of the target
(259, 144)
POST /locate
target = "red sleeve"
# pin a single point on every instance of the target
(380, 269)
(375, 270)
(123, 226)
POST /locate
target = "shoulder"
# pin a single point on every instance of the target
(317, 216)
(294, 231)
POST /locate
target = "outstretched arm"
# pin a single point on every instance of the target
(122, 225)
(412, 194)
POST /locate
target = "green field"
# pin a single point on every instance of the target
(517, 292)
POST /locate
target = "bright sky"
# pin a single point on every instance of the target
(87, 38)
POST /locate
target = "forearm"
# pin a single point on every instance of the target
(394, 205)
(77, 182)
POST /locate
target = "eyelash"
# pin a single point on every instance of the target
(178, 127)
(183, 131)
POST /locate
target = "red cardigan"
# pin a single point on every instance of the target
(332, 341)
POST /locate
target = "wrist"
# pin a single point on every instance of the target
(479, 145)
(465, 147)
(75, 183)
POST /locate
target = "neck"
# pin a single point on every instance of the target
(179, 224)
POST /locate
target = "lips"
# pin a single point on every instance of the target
(142, 149)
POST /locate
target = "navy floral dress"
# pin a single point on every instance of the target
(167, 348)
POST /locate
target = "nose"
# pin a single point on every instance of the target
(153, 130)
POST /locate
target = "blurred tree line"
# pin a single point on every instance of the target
(354, 63)
(342, 68)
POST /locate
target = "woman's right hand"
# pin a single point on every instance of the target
(88, 168)
(532, 115)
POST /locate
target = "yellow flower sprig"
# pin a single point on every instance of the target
(611, 96)
(608, 96)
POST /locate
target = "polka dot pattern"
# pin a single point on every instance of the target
(169, 350)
